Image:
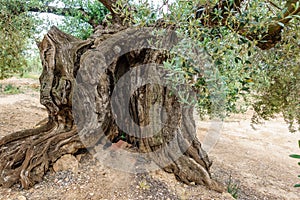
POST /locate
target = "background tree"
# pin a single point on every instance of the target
(14, 32)
(251, 43)
(21, 25)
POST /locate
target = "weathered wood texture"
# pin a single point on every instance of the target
(27, 155)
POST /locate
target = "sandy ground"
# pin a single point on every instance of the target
(254, 159)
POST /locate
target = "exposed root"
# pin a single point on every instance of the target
(27, 159)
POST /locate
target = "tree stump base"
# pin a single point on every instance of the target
(68, 65)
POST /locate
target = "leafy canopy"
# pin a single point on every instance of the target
(15, 29)
(21, 24)
(246, 70)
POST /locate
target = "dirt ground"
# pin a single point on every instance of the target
(255, 160)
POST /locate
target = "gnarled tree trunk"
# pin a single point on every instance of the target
(70, 66)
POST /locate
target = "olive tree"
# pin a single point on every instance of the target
(88, 86)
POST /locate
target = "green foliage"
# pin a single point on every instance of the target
(9, 89)
(34, 65)
(76, 23)
(233, 188)
(296, 156)
(83, 30)
(20, 24)
(15, 29)
(280, 75)
(144, 185)
(241, 75)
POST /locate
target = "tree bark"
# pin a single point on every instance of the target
(26, 155)
(68, 66)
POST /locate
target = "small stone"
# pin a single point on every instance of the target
(78, 157)
(226, 195)
(66, 162)
(21, 198)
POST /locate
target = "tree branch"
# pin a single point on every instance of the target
(108, 4)
(265, 40)
(116, 16)
(273, 35)
(273, 4)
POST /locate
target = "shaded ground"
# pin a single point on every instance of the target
(255, 160)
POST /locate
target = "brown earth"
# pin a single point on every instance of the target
(254, 160)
